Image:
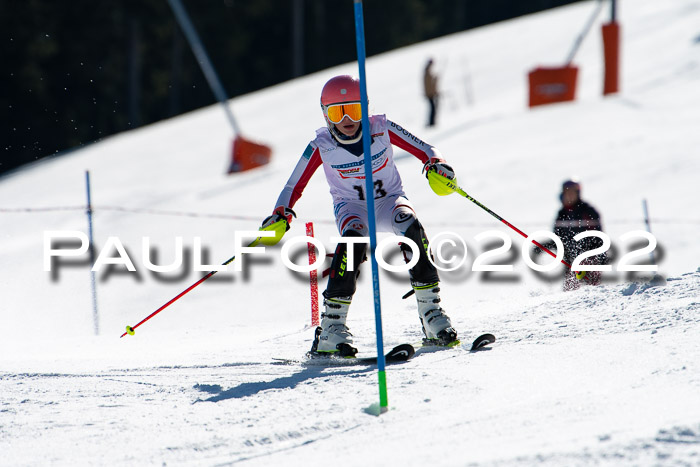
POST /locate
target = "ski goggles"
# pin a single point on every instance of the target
(336, 112)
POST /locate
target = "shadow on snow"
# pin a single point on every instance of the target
(287, 382)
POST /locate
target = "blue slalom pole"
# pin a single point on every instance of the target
(93, 282)
(369, 189)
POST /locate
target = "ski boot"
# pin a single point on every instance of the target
(437, 327)
(332, 336)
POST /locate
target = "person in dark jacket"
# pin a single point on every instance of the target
(430, 87)
(574, 217)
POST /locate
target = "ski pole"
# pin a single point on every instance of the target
(131, 329)
(449, 183)
(275, 228)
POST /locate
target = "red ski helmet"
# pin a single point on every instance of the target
(339, 89)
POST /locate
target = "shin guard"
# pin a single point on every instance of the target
(423, 271)
(341, 281)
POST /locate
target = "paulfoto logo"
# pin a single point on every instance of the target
(449, 252)
(75, 244)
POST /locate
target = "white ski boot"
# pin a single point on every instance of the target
(436, 324)
(333, 336)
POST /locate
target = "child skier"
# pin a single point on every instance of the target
(338, 147)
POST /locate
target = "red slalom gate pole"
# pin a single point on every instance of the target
(313, 276)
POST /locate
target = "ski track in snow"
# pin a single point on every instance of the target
(600, 310)
(262, 413)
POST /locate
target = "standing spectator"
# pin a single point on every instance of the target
(430, 84)
(574, 217)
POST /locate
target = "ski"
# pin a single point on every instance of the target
(398, 354)
(480, 343)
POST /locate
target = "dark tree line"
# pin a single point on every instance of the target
(75, 72)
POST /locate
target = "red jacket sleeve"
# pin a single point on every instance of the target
(305, 168)
(402, 138)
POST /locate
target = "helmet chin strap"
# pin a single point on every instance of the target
(342, 138)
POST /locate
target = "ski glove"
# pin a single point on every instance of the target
(280, 214)
(278, 223)
(440, 166)
(441, 177)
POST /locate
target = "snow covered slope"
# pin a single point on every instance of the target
(602, 375)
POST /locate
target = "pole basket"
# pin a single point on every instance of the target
(246, 155)
(611, 50)
(552, 84)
